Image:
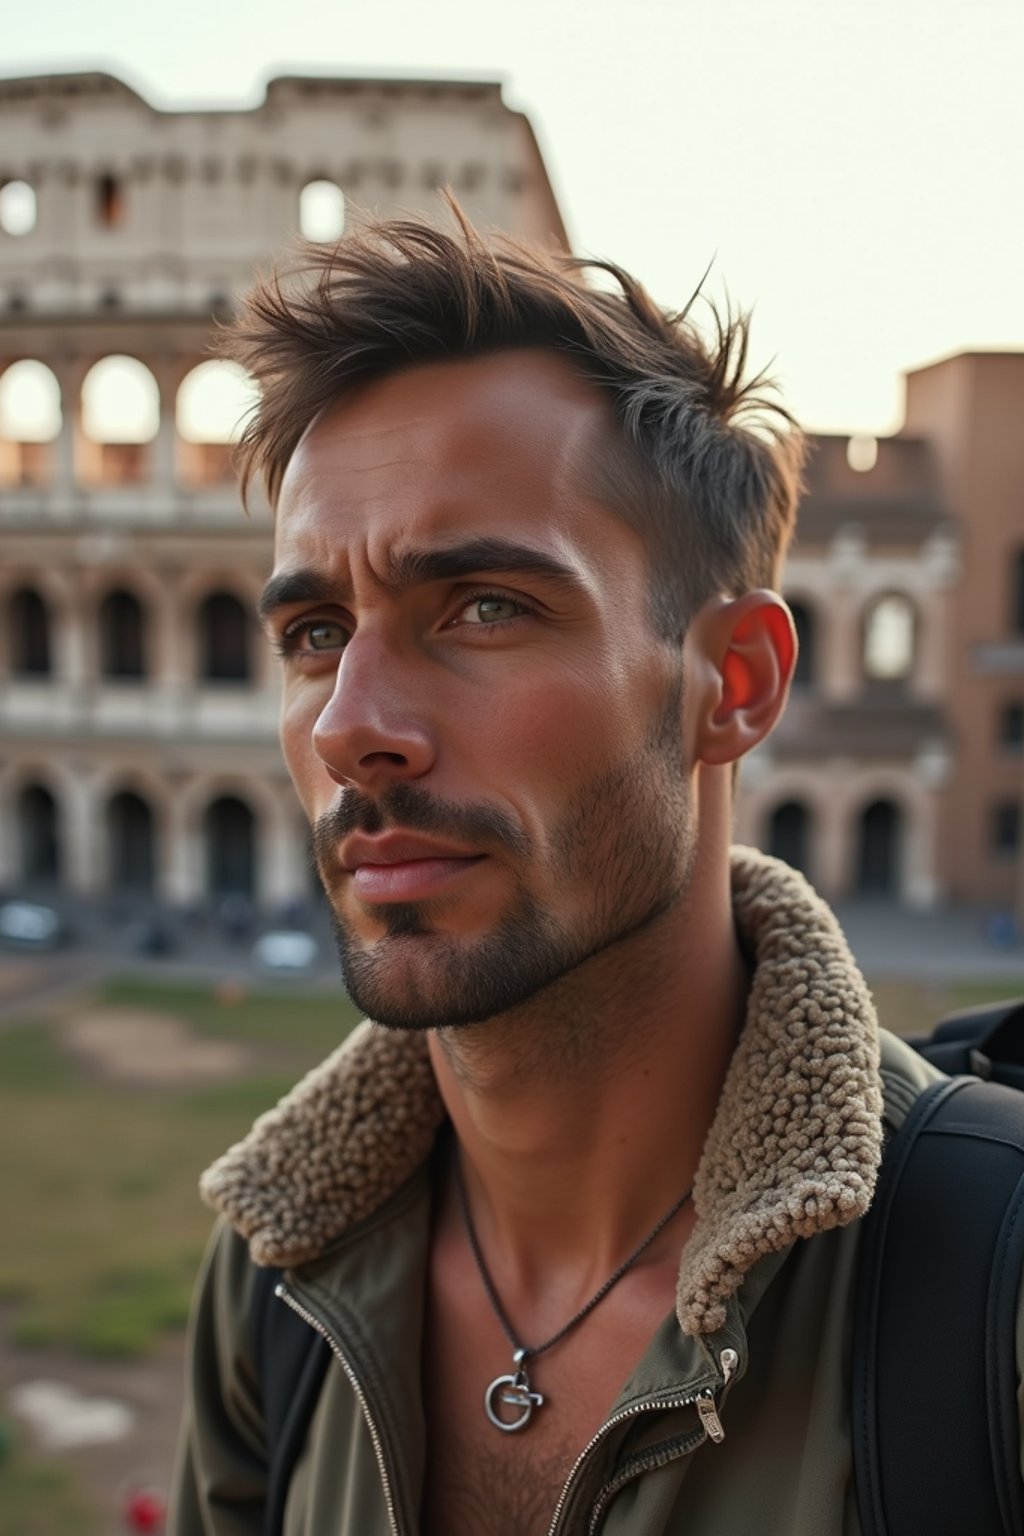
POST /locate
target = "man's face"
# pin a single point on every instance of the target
(481, 723)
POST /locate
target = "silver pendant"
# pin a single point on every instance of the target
(511, 1392)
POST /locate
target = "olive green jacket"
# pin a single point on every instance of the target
(736, 1420)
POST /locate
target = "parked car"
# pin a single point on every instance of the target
(28, 925)
(286, 950)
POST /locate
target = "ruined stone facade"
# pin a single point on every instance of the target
(137, 703)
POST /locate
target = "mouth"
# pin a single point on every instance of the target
(397, 867)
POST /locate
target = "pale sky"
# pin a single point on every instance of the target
(855, 170)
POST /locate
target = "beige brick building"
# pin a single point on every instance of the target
(851, 785)
(971, 408)
(899, 768)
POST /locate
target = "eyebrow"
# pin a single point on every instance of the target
(411, 567)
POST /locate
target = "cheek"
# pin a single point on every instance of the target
(547, 734)
(313, 786)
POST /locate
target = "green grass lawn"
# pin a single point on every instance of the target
(103, 1228)
(102, 1225)
(40, 1496)
(908, 1008)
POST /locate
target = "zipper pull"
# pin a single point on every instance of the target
(708, 1413)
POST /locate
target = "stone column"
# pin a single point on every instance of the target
(69, 377)
(283, 867)
(180, 876)
(842, 672)
(836, 854)
(10, 851)
(164, 448)
(83, 828)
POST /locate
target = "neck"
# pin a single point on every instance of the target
(581, 1117)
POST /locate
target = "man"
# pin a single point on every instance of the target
(578, 1212)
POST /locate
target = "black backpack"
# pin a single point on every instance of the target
(934, 1423)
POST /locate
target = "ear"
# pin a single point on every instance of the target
(742, 659)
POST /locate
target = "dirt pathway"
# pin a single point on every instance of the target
(149, 1390)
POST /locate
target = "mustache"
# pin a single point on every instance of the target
(412, 809)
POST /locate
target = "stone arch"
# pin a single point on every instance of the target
(110, 203)
(224, 634)
(805, 621)
(889, 631)
(790, 833)
(1017, 592)
(321, 210)
(30, 423)
(39, 834)
(123, 635)
(19, 207)
(29, 636)
(131, 842)
(230, 851)
(881, 834)
(211, 403)
(120, 418)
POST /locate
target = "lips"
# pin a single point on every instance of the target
(398, 866)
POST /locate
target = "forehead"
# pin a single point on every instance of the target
(508, 439)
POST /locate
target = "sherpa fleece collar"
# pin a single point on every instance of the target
(793, 1150)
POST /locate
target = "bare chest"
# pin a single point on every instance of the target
(494, 1485)
(484, 1482)
(480, 1480)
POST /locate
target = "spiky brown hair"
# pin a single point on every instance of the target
(707, 464)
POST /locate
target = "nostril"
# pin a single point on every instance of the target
(396, 758)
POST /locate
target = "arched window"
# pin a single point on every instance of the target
(110, 201)
(212, 403)
(1004, 828)
(1011, 726)
(321, 210)
(889, 639)
(130, 842)
(1017, 595)
(120, 416)
(39, 835)
(18, 208)
(862, 453)
(803, 620)
(879, 849)
(229, 834)
(122, 636)
(223, 639)
(29, 634)
(30, 420)
(789, 835)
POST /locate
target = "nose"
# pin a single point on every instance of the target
(372, 731)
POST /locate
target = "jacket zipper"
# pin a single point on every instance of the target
(703, 1401)
(653, 1459)
(707, 1410)
(286, 1296)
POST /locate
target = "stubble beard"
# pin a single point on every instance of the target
(626, 836)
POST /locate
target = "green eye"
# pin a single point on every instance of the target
(491, 610)
(325, 637)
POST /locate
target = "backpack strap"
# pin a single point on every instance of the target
(935, 1432)
(986, 1041)
(291, 1359)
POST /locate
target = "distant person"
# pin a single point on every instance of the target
(578, 1215)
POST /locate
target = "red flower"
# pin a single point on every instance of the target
(144, 1510)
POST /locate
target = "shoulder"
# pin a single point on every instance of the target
(229, 1297)
(905, 1075)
